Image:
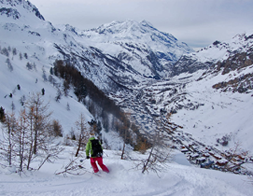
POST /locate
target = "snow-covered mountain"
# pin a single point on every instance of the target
(120, 54)
(25, 62)
(210, 95)
(217, 53)
(30, 46)
(19, 10)
(137, 66)
(134, 42)
(132, 52)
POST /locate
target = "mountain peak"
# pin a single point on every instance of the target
(118, 27)
(139, 45)
(144, 32)
(128, 26)
(14, 8)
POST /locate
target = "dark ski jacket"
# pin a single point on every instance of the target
(89, 147)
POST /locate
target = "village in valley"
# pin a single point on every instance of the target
(210, 157)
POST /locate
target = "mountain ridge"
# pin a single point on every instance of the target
(133, 74)
(10, 10)
(214, 54)
(140, 33)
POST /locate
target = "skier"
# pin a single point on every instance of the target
(95, 148)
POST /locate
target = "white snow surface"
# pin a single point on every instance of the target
(177, 178)
(222, 113)
(124, 179)
(223, 49)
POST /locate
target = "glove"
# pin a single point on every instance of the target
(87, 157)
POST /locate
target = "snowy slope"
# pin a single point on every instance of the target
(30, 34)
(216, 53)
(34, 40)
(31, 81)
(176, 179)
(220, 51)
(130, 53)
(111, 53)
(20, 34)
(223, 111)
(220, 114)
(204, 112)
(140, 36)
(29, 40)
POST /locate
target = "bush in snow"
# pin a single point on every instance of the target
(14, 51)
(20, 56)
(31, 66)
(25, 55)
(8, 62)
(5, 52)
(56, 128)
(18, 87)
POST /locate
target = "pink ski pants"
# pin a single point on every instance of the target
(100, 163)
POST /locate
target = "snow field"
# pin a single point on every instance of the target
(222, 114)
(176, 179)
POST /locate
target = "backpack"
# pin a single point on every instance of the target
(97, 150)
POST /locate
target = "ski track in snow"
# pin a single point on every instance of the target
(175, 180)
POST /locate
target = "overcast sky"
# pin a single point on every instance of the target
(195, 22)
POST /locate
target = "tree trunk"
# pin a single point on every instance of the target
(123, 150)
(79, 145)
